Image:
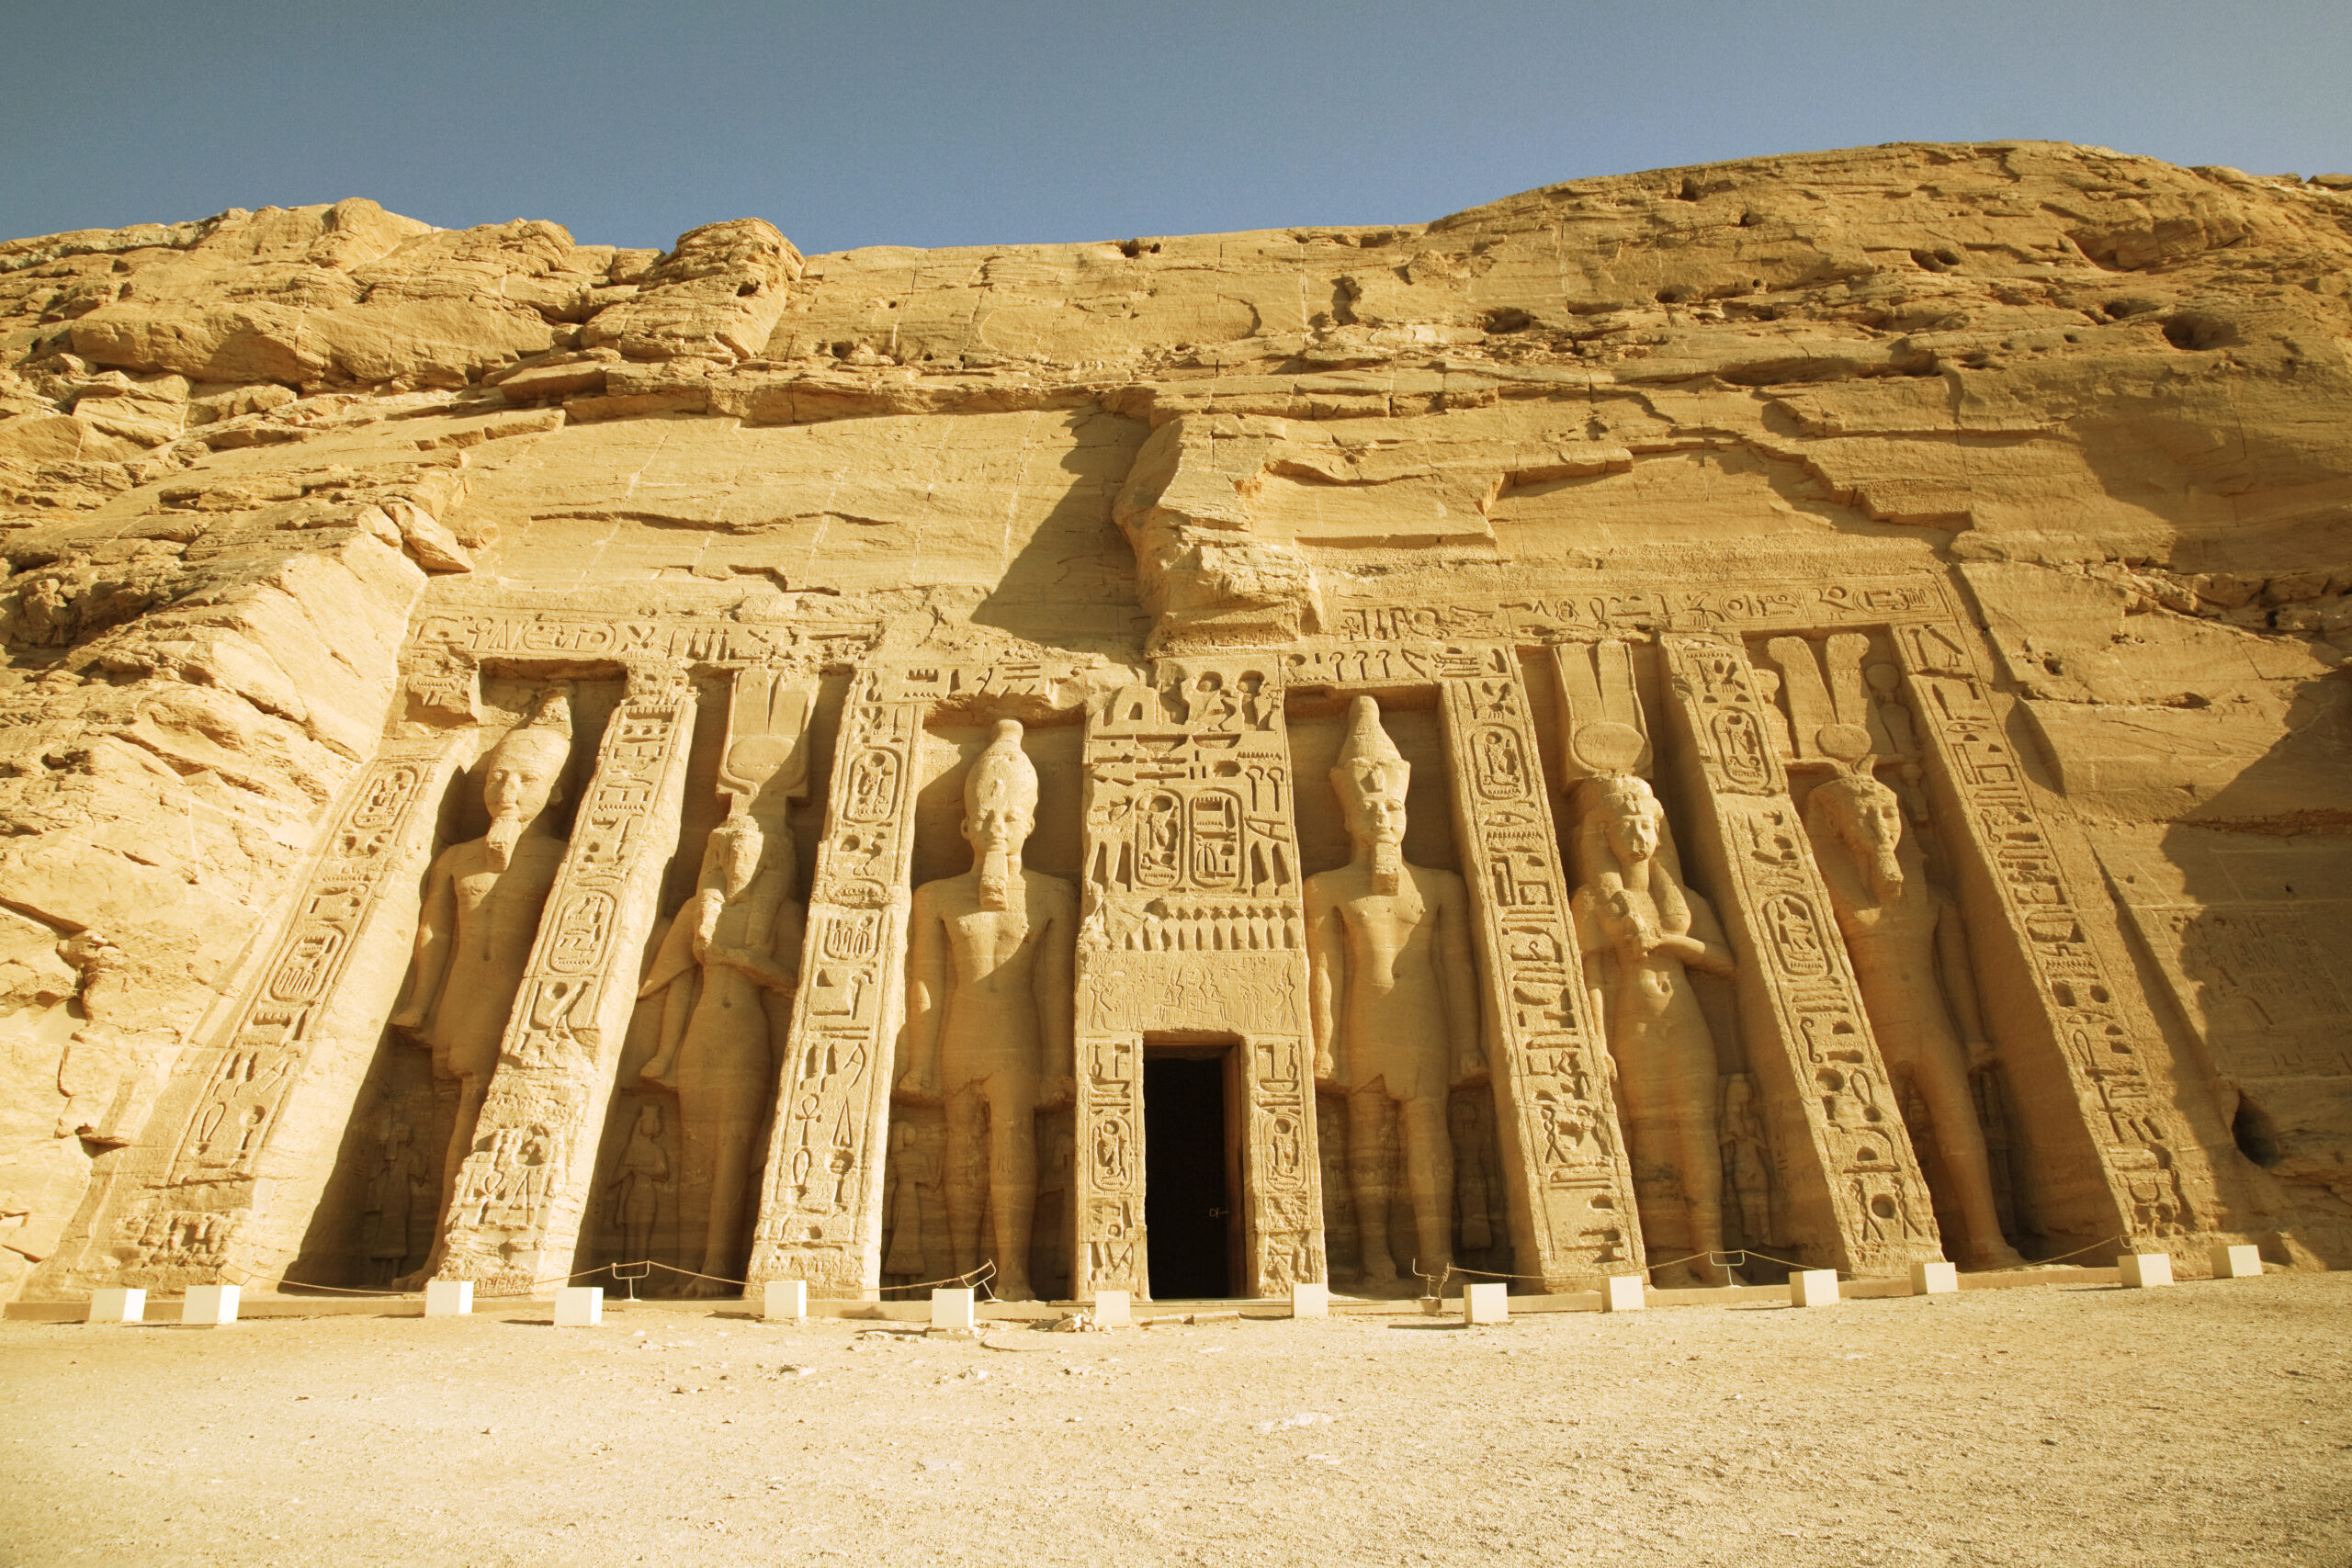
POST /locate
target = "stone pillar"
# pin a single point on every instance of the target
(515, 1219)
(1193, 924)
(1572, 1211)
(2111, 1152)
(242, 1141)
(1856, 1197)
(821, 1199)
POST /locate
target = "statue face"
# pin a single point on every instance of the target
(1376, 806)
(521, 781)
(1632, 826)
(994, 823)
(742, 851)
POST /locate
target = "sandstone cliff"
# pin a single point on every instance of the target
(2110, 394)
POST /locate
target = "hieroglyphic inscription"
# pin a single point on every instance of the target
(1192, 922)
(821, 1203)
(2160, 1183)
(1572, 1211)
(514, 1218)
(259, 1112)
(1617, 612)
(1860, 1200)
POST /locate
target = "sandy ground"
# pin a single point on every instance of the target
(2210, 1423)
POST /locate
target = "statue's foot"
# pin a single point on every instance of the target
(412, 1280)
(1011, 1288)
(1987, 1259)
(703, 1290)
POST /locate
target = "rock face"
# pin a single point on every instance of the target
(2002, 492)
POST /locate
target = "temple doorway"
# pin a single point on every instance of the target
(1192, 1175)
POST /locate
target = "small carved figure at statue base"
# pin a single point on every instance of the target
(482, 901)
(733, 946)
(637, 1191)
(1747, 1160)
(1910, 953)
(1639, 928)
(1394, 1002)
(989, 1023)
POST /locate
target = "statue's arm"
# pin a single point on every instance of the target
(1594, 948)
(435, 929)
(927, 978)
(778, 969)
(1705, 948)
(1959, 975)
(674, 955)
(1057, 984)
(1326, 958)
(1458, 971)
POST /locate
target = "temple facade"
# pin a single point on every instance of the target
(1618, 926)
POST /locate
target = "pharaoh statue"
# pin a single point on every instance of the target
(1910, 953)
(1641, 930)
(989, 1025)
(1394, 1001)
(725, 972)
(482, 900)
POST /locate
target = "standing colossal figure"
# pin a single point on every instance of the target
(1394, 1000)
(989, 1023)
(1640, 931)
(1910, 953)
(482, 900)
(726, 971)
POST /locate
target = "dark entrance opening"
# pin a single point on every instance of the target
(1188, 1177)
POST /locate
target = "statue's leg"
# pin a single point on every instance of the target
(1939, 1073)
(1013, 1182)
(966, 1115)
(1428, 1175)
(471, 1094)
(730, 1154)
(1368, 1180)
(1698, 1159)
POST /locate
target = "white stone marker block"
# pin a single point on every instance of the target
(1813, 1287)
(448, 1298)
(579, 1306)
(2237, 1263)
(1623, 1293)
(1934, 1279)
(2142, 1270)
(1114, 1309)
(952, 1308)
(785, 1300)
(209, 1306)
(1310, 1301)
(128, 1303)
(1485, 1303)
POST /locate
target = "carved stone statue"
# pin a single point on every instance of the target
(637, 1191)
(725, 970)
(1910, 953)
(1747, 1160)
(1640, 930)
(482, 900)
(1394, 999)
(989, 1026)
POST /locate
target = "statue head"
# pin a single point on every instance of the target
(523, 775)
(1630, 817)
(649, 1119)
(999, 811)
(1370, 777)
(1868, 819)
(740, 848)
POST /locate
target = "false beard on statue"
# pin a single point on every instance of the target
(505, 831)
(1000, 876)
(1388, 865)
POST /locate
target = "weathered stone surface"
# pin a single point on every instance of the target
(288, 496)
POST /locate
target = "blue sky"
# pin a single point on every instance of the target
(919, 123)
